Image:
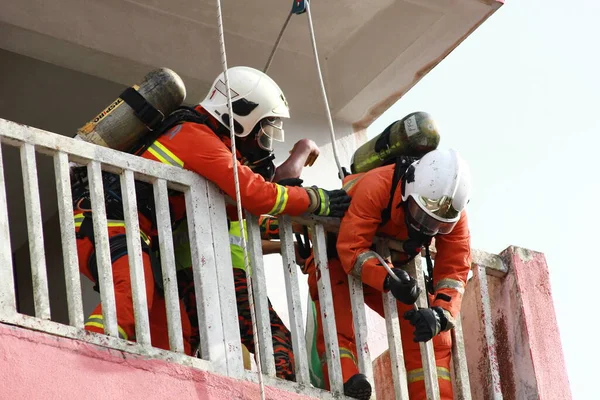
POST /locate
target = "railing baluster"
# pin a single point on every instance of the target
(227, 299)
(259, 286)
(136, 263)
(167, 262)
(357, 299)
(8, 303)
(35, 232)
(293, 298)
(204, 266)
(394, 336)
(479, 273)
(327, 311)
(427, 354)
(462, 386)
(67, 234)
(105, 276)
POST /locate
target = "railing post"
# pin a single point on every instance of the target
(37, 255)
(327, 312)
(206, 283)
(427, 353)
(394, 336)
(495, 390)
(101, 244)
(67, 233)
(357, 300)
(136, 263)
(8, 303)
(290, 272)
(225, 282)
(167, 262)
(461, 384)
(259, 289)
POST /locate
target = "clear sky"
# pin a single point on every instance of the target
(520, 100)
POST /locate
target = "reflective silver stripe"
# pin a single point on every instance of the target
(235, 240)
(451, 322)
(453, 284)
(360, 261)
(417, 375)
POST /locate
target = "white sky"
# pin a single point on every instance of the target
(520, 100)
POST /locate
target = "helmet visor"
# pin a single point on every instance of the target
(421, 216)
(271, 128)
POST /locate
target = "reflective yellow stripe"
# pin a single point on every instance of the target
(96, 321)
(164, 155)
(417, 375)
(111, 223)
(78, 218)
(280, 201)
(347, 353)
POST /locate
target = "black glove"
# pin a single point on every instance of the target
(428, 322)
(328, 203)
(405, 291)
(290, 182)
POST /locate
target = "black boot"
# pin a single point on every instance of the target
(358, 387)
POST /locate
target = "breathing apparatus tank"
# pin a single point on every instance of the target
(136, 111)
(412, 136)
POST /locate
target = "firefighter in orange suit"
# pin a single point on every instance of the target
(427, 201)
(203, 146)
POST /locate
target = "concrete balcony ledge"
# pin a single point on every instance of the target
(32, 363)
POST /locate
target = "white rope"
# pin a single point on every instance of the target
(239, 201)
(276, 46)
(323, 91)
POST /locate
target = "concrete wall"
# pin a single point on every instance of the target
(525, 349)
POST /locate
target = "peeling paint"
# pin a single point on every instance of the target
(505, 361)
(524, 254)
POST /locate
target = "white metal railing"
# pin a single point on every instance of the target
(219, 333)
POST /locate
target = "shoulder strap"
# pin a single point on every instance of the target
(180, 115)
(401, 165)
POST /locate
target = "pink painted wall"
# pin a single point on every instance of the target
(538, 322)
(36, 365)
(528, 347)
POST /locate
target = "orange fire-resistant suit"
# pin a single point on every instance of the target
(370, 195)
(195, 147)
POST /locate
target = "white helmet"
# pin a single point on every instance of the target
(436, 190)
(256, 98)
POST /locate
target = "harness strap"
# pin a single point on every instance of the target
(400, 166)
(146, 112)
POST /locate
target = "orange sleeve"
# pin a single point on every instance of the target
(452, 265)
(203, 152)
(358, 228)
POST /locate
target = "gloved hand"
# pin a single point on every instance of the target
(328, 203)
(405, 291)
(290, 182)
(428, 322)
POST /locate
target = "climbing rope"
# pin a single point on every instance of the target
(323, 91)
(299, 7)
(238, 200)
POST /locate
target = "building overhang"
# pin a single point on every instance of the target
(372, 52)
